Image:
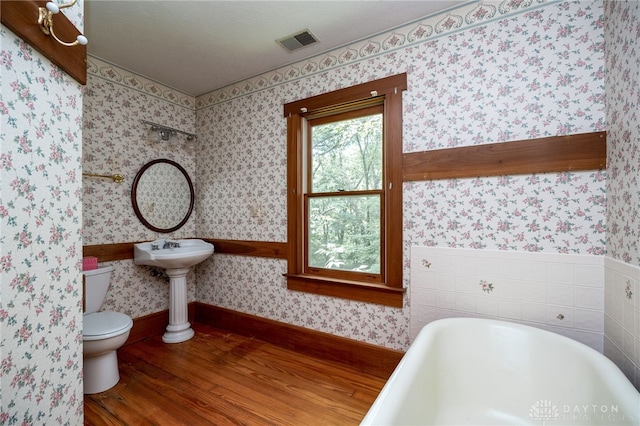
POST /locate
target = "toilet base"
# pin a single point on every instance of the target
(101, 372)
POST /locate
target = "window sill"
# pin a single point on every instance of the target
(352, 290)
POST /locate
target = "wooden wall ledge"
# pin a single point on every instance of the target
(587, 151)
(21, 17)
(123, 251)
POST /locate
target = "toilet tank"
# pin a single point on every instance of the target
(96, 284)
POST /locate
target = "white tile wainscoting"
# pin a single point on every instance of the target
(563, 293)
(622, 319)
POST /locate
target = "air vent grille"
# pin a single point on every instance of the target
(297, 40)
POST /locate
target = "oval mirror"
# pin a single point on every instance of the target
(162, 195)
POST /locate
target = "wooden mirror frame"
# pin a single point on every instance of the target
(134, 193)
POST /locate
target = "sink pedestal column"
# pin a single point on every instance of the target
(179, 328)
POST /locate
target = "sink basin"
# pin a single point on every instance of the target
(178, 254)
(176, 257)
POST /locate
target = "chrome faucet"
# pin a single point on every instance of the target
(170, 244)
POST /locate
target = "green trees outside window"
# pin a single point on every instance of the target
(345, 196)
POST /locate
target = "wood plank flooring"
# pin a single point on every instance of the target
(218, 378)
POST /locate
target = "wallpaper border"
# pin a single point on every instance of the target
(104, 70)
(431, 27)
(460, 18)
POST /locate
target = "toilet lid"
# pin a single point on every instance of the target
(101, 325)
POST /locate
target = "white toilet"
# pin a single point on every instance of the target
(102, 333)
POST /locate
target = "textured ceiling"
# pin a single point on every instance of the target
(197, 46)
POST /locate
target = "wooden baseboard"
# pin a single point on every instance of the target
(374, 360)
(147, 326)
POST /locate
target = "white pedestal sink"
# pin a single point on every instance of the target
(176, 257)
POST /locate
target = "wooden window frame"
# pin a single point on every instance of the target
(390, 291)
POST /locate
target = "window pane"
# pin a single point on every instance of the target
(347, 155)
(344, 233)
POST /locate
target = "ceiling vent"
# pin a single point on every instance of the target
(297, 40)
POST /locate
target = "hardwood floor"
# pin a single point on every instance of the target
(218, 378)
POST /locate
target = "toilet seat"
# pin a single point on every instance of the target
(105, 324)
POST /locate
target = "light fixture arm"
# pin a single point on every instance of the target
(160, 127)
(45, 20)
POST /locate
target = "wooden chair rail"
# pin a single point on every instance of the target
(587, 151)
(123, 251)
(270, 249)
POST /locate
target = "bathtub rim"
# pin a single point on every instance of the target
(392, 393)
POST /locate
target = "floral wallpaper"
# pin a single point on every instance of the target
(242, 166)
(483, 73)
(115, 141)
(486, 72)
(40, 239)
(562, 213)
(622, 273)
(476, 75)
(623, 138)
(138, 290)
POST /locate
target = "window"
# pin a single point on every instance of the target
(345, 192)
(343, 195)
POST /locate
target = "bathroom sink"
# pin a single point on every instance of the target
(176, 257)
(172, 254)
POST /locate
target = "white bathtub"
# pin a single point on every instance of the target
(464, 371)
